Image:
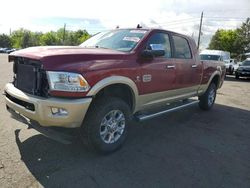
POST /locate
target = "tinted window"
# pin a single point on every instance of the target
(210, 57)
(161, 38)
(182, 49)
(246, 63)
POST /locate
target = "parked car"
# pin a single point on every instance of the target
(110, 79)
(236, 65)
(243, 69)
(2, 50)
(7, 50)
(230, 66)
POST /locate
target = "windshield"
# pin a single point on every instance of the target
(121, 40)
(210, 57)
(246, 63)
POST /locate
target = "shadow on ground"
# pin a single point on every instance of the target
(189, 148)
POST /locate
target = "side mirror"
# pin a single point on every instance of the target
(156, 50)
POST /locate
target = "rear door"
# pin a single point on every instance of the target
(188, 68)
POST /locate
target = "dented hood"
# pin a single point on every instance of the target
(40, 53)
(73, 58)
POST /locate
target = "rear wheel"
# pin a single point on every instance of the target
(106, 125)
(208, 98)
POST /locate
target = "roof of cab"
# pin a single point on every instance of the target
(158, 29)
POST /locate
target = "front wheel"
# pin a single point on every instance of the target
(232, 71)
(106, 125)
(208, 98)
(237, 76)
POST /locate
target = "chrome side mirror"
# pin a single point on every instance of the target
(154, 50)
(157, 49)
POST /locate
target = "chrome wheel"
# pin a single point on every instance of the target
(112, 126)
(211, 97)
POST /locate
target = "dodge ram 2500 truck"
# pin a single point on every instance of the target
(111, 78)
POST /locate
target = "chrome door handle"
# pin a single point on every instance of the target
(194, 66)
(170, 66)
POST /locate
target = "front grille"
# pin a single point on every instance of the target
(30, 77)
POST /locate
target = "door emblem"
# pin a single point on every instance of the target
(147, 78)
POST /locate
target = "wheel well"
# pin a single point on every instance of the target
(121, 91)
(216, 80)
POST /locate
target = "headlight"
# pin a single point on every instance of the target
(66, 81)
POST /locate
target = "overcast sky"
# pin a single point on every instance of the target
(93, 15)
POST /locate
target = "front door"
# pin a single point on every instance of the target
(158, 73)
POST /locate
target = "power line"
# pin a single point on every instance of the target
(180, 23)
(180, 20)
(219, 17)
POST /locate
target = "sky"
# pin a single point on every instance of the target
(181, 16)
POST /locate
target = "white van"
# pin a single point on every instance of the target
(218, 55)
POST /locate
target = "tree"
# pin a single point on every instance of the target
(23, 38)
(49, 38)
(72, 37)
(237, 41)
(26, 39)
(84, 36)
(244, 35)
(16, 38)
(36, 38)
(224, 40)
(76, 38)
(5, 41)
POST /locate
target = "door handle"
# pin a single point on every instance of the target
(194, 66)
(170, 66)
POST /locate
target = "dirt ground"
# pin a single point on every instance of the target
(188, 148)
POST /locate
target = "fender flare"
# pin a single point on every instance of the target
(204, 87)
(216, 73)
(116, 80)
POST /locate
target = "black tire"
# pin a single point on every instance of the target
(92, 126)
(232, 71)
(237, 76)
(208, 98)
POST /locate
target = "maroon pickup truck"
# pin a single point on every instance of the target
(110, 79)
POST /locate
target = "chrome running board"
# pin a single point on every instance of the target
(170, 108)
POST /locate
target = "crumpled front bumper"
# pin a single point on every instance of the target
(40, 109)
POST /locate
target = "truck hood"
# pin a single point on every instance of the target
(40, 53)
(73, 58)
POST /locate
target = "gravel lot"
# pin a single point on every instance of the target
(188, 148)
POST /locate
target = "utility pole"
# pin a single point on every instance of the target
(64, 29)
(199, 36)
